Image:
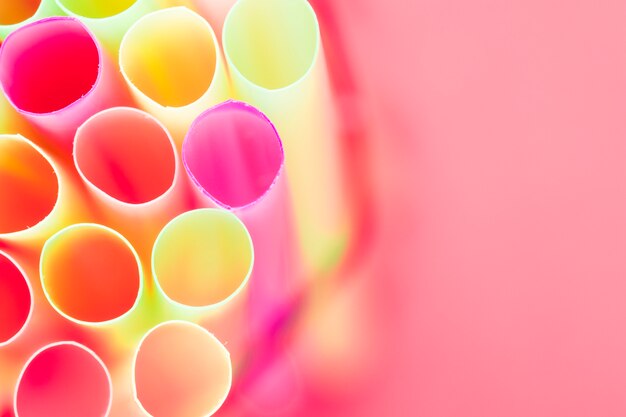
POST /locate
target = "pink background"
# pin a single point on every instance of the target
(496, 141)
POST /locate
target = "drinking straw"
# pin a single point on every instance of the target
(182, 370)
(274, 54)
(90, 274)
(29, 186)
(16, 13)
(108, 19)
(55, 74)
(16, 304)
(202, 258)
(171, 61)
(63, 379)
(234, 156)
(126, 157)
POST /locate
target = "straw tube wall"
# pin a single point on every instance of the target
(108, 19)
(171, 61)
(235, 158)
(16, 13)
(276, 62)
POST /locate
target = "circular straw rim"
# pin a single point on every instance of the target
(62, 343)
(125, 241)
(31, 307)
(80, 99)
(136, 89)
(198, 327)
(104, 194)
(233, 68)
(196, 182)
(60, 187)
(208, 307)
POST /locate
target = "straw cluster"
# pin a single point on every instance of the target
(149, 169)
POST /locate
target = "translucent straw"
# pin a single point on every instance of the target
(16, 13)
(90, 274)
(55, 74)
(63, 379)
(202, 258)
(16, 304)
(29, 186)
(276, 62)
(126, 156)
(171, 61)
(182, 370)
(108, 19)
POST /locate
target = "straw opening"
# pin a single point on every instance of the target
(48, 65)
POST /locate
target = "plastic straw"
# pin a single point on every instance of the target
(183, 359)
(16, 13)
(276, 62)
(171, 61)
(16, 304)
(90, 274)
(63, 379)
(126, 156)
(56, 75)
(29, 186)
(202, 258)
(108, 19)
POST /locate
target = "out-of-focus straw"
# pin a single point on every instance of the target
(183, 358)
(274, 54)
(91, 274)
(55, 74)
(108, 19)
(16, 13)
(171, 61)
(63, 379)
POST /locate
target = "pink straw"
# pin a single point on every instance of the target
(54, 72)
(63, 380)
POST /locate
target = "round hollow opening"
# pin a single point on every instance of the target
(63, 380)
(47, 65)
(202, 258)
(126, 154)
(96, 9)
(16, 11)
(233, 153)
(170, 56)
(184, 359)
(272, 43)
(15, 300)
(29, 186)
(90, 273)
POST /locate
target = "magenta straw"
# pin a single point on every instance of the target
(54, 72)
(235, 157)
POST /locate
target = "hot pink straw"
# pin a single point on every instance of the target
(54, 72)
